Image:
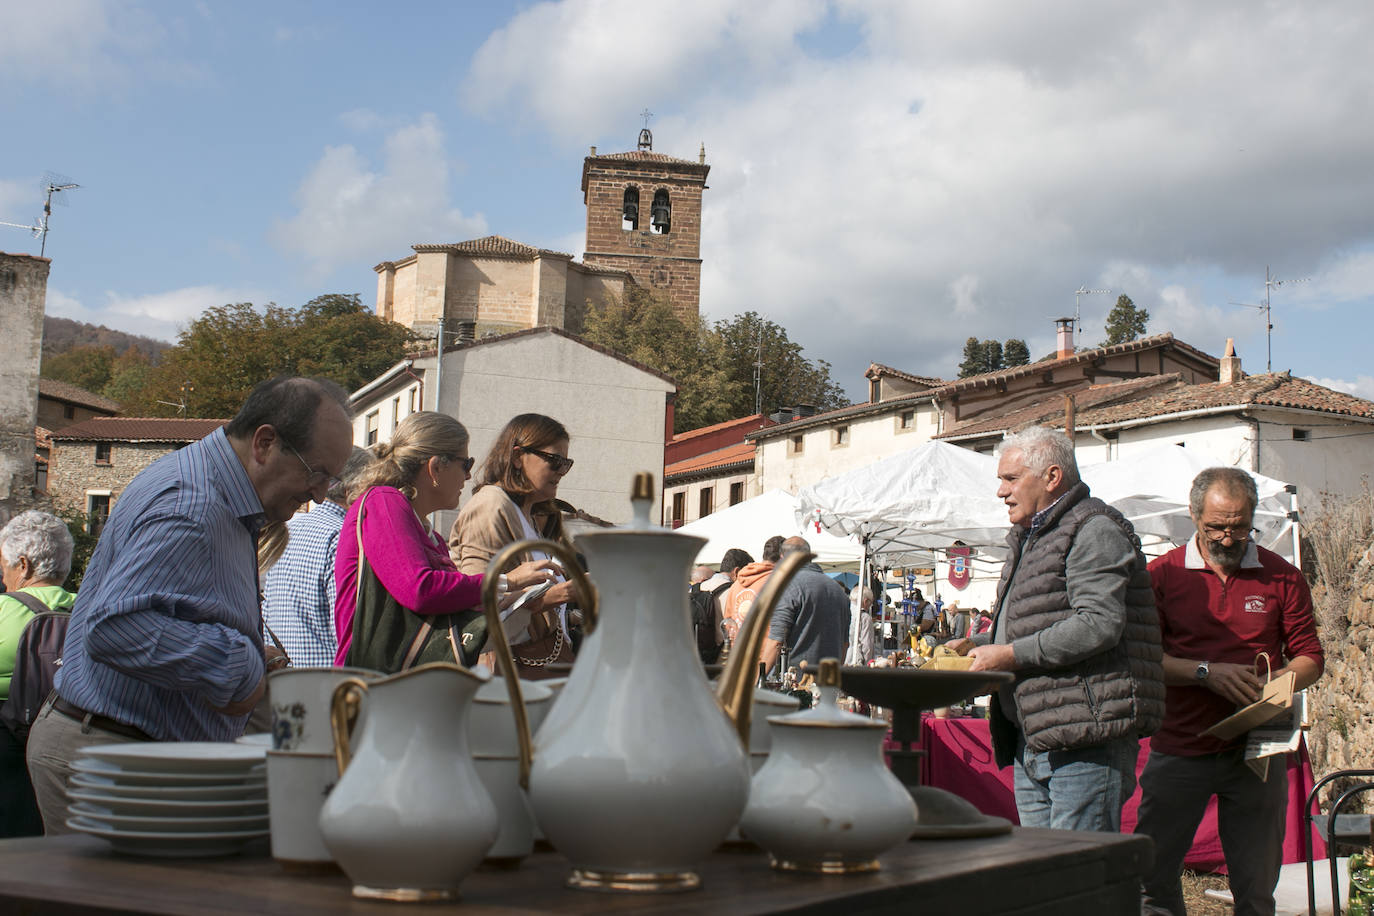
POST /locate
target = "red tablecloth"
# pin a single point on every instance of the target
(959, 758)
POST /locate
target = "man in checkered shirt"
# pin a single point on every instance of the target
(298, 591)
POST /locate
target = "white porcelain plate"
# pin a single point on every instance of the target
(113, 773)
(99, 804)
(175, 824)
(169, 845)
(180, 756)
(254, 791)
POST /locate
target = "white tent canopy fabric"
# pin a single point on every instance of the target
(748, 524)
(933, 495)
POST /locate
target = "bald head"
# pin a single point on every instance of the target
(701, 574)
(795, 545)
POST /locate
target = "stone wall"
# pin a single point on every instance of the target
(72, 471)
(23, 288)
(1341, 704)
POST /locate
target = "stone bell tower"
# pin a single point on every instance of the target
(644, 217)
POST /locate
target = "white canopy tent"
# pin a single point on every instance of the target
(748, 524)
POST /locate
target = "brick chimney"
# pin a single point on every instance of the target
(1063, 336)
(1230, 364)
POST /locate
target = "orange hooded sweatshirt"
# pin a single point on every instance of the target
(748, 582)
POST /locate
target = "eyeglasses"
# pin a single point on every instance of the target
(1237, 534)
(467, 463)
(316, 479)
(558, 462)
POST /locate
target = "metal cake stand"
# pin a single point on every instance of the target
(908, 692)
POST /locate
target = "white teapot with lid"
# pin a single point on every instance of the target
(825, 801)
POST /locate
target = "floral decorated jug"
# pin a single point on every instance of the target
(409, 818)
(640, 770)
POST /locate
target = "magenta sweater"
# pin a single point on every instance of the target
(412, 564)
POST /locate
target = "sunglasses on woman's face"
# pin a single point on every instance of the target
(467, 463)
(559, 463)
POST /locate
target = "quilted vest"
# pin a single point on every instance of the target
(1114, 694)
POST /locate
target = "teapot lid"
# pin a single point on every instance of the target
(827, 713)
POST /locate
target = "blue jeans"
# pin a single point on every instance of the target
(1081, 789)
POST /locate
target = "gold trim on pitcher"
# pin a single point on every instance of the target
(634, 882)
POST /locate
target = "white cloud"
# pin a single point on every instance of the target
(92, 44)
(1034, 147)
(158, 315)
(350, 210)
(1362, 387)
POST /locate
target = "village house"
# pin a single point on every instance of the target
(617, 411)
(714, 463)
(60, 405)
(92, 462)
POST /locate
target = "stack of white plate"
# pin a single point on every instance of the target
(182, 799)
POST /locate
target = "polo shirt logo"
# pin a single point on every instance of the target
(1254, 604)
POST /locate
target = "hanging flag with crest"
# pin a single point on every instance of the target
(960, 566)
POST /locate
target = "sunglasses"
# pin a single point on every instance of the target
(559, 463)
(467, 463)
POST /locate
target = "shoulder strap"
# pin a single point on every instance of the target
(716, 592)
(30, 601)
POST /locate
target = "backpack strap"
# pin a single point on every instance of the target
(29, 601)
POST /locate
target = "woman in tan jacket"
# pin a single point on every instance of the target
(515, 498)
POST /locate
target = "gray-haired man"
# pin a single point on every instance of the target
(1075, 621)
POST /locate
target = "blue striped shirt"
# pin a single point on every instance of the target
(166, 625)
(298, 591)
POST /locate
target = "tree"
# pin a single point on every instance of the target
(221, 355)
(992, 356)
(86, 366)
(1125, 322)
(972, 363)
(988, 356)
(1016, 353)
(644, 327)
(786, 377)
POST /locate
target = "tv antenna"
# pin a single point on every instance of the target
(1270, 283)
(186, 389)
(1077, 320)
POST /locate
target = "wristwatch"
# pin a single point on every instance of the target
(1202, 671)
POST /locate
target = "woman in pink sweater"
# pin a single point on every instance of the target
(421, 470)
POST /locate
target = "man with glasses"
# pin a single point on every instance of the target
(165, 640)
(1223, 600)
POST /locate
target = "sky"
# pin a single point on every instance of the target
(888, 177)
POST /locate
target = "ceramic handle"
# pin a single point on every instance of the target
(505, 659)
(344, 706)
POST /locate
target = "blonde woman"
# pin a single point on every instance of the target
(397, 604)
(516, 498)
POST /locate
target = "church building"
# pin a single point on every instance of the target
(643, 230)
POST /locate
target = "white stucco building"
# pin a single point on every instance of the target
(616, 410)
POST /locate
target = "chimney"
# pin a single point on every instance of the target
(1230, 364)
(1063, 337)
(593, 151)
(467, 331)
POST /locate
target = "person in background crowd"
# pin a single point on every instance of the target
(405, 573)
(734, 560)
(714, 587)
(35, 558)
(165, 640)
(515, 499)
(700, 574)
(861, 626)
(1223, 601)
(982, 622)
(811, 617)
(749, 581)
(1077, 626)
(299, 588)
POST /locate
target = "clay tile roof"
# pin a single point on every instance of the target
(138, 429)
(65, 391)
(42, 438)
(642, 155)
(740, 453)
(1278, 389)
(1144, 343)
(724, 424)
(494, 246)
(1051, 406)
(878, 369)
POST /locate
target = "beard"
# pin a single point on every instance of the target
(1227, 558)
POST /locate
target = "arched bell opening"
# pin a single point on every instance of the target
(661, 214)
(629, 211)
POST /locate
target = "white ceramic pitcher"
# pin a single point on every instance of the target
(640, 770)
(409, 818)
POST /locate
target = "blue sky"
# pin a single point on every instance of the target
(888, 178)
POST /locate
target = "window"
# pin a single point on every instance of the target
(875, 390)
(796, 445)
(629, 210)
(413, 392)
(736, 493)
(706, 501)
(661, 216)
(1301, 435)
(906, 419)
(679, 507)
(839, 437)
(68, 412)
(102, 453)
(370, 435)
(395, 412)
(97, 510)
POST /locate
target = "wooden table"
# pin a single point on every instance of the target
(1027, 872)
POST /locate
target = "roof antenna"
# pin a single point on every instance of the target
(1269, 283)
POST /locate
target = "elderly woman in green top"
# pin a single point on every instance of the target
(35, 557)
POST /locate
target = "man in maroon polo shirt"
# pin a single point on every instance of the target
(1222, 601)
